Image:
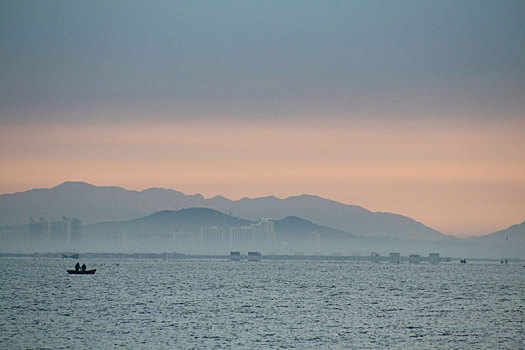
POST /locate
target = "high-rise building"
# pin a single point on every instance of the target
(6, 236)
(265, 234)
(242, 238)
(214, 239)
(76, 230)
(61, 231)
(38, 230)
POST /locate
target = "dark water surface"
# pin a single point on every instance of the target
(268, 304)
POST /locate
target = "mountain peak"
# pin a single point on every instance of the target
(305, 196)
(72, 184)
(244, 199)
(293, 218)
(155, 190)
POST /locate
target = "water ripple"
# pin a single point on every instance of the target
(294, 304)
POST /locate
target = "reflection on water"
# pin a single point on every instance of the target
(224, 304)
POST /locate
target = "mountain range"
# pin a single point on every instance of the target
(184, 220)
(94, 204)
(193, 219)
(295, 233)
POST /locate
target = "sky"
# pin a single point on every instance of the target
(410, 107)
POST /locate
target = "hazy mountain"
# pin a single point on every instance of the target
(180, 231)
(514, 235)
(94, 204)
(187, 220)
(350, 218)
(293, 234)
(192, 219)
(90, 203)
(292, 225)
(508, 243)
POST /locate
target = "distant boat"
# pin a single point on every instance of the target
(80, 272)
(70, 256)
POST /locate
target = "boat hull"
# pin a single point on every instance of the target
(87, 272)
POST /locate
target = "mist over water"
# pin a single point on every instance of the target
(192, 245)
(267, 304)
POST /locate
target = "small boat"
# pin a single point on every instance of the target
(80, 272)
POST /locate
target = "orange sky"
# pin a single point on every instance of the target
(457, 177)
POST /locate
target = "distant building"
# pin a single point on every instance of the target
(375, 256)
(38, 230)
(6, 236)
(76, 230)
(414, 258)
(254, 256)
(242, 238)
(433, 258)
(214, 238)
(61, 231)
(394, 258)
(265, 234)
(260, 235)
(117, 238)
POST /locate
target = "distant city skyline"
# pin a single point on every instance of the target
(416, 108)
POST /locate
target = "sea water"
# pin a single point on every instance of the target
(267, 304)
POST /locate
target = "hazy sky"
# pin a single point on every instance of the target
(409, 107)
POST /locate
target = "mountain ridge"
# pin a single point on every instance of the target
(189, 219)
(514, 234)
(112, 203)
(193, 219)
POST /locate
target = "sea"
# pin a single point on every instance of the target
(222, 304)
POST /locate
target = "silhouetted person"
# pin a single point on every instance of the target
(83, 267)
(77, 266)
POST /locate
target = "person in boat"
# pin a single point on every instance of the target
(77, 266)
(83, 268)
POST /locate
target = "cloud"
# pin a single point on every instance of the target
(266, 60)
